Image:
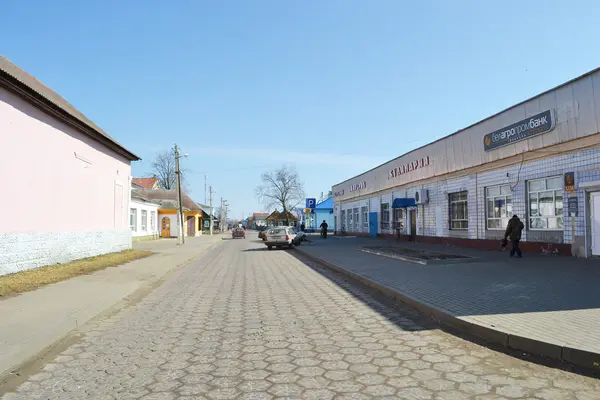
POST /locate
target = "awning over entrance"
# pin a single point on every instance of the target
(403, 203)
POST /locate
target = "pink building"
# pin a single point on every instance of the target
(66, 182)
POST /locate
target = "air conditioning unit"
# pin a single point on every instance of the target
(422, 196)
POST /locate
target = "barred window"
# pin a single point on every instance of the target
(365, 214)
(399, 218)
(545, 201)
(385, 216)
(498, 206)
(459, 211)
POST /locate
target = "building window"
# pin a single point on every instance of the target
(144, 220)
(343, 218)
(545, 203)
(133, 219)
(365, 214)
(349, 214)
(153, 220)
(459, 212)
(399, 218)
(356, 221)
(385, 216)
(499, 206)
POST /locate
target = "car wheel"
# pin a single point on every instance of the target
(270, 247)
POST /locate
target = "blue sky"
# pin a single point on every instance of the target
(332, 87)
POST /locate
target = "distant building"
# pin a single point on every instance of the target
(145, 183)
(257, 220)
(277, 218)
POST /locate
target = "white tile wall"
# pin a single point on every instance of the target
(585, 164)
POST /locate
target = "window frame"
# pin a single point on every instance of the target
(343, 220)
(452, 201)
(487, 198)
(144, 222)
(398, 215)
(133, 213)
(385, 210)
(356, 218)
(153, 220)
(365, 213)
(530, 218)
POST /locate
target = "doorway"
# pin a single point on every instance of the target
(413, 224)
(372, 224)
(191, 225)
(595, 222)
(165, 227)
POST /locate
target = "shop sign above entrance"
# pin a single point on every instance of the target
(522, 130)
(405, 168)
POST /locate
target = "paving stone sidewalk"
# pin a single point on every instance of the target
(246, 323)
(32, 321)
(550, 299)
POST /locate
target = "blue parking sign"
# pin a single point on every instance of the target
(311, 203)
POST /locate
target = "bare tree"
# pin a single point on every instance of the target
(163, 167)
(281, 188)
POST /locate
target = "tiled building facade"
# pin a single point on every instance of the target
(472, 188)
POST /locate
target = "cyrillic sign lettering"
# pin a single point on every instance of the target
(522, 130)
(405, 168)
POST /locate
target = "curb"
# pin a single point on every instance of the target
(14, 373)
(576, 357)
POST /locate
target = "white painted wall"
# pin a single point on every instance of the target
(140, 206)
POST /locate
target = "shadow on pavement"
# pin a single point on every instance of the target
(381, 304)
(492, 284)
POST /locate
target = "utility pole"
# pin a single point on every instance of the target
(221, 216)
(180, 237)
(211, 212)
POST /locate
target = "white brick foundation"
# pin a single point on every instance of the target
(20, 252)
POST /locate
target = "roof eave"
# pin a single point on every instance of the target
(31, 96)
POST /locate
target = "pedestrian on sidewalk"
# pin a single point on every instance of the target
(513, 231)
(302, 227)
(324, 227)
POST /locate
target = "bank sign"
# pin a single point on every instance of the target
(522, 130)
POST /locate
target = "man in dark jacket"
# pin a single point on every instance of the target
(324, 227)
(513, 231)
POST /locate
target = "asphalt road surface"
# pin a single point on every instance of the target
(242, 322)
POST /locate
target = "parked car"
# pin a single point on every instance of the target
(282, 236)
(262, 232)
(238, 233)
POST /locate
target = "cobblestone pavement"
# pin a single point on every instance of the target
(246, 323)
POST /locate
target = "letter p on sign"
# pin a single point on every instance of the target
(311, 203)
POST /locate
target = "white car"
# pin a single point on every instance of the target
(282, 236)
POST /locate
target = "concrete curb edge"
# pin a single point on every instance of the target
(576, 357)
(120, 304)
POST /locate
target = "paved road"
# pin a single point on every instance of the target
(246, 323)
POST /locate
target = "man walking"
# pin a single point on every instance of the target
(513, 231)
(324, 227)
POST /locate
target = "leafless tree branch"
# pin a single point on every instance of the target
(163, 166)
(281, 188)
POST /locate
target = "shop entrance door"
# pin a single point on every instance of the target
(595, 218)
(373, 224)
(165, 227)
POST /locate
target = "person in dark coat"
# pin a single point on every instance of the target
(302, 227)
(513, 232)
(324, 227)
